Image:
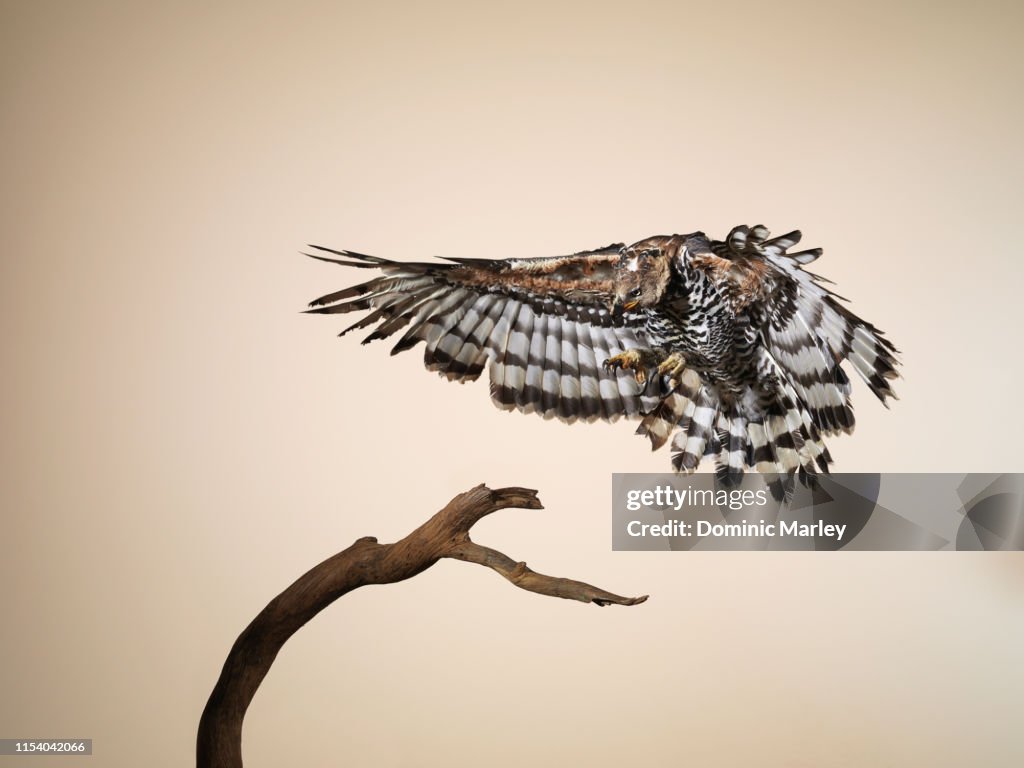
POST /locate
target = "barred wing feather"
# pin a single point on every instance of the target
(810, 333)
(540, 326)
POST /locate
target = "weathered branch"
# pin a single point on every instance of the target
(446, 534)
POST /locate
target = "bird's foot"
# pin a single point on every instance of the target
(639, 361)
(672, 366)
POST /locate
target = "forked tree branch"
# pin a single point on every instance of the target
(446, 534)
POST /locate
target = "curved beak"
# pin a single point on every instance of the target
(619, 307)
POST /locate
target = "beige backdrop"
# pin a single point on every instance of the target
(179, 443)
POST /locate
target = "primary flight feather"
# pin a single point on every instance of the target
(731, 344)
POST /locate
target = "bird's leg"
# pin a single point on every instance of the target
(672, 366)
(639, 360)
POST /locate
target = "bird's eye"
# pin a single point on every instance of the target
(646, 254)
(635, 293)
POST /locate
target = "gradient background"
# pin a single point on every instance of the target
(179, 443)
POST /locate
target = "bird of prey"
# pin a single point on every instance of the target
(729, 343)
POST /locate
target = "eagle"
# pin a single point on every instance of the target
(730, 347)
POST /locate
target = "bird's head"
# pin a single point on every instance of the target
(642, 274)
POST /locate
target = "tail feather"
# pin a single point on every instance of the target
(666, 416)
(672, 409)
(690, 441)
(735, 461)
(783, 443)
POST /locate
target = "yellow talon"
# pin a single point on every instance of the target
(672, 366)
(631, 360)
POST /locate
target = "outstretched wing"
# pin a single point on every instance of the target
(808, 332)
(541, 326)
(805, 335)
